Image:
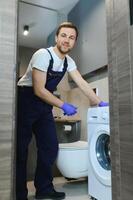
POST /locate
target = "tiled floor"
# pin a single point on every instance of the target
(74, 189)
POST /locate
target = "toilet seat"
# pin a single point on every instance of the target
(79, 145)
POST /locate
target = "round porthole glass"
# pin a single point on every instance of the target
(103, 151)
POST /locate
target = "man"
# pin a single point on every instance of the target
(35, 102)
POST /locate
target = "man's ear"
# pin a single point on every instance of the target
(55, 39)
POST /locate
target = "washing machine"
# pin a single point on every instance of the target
(99, 169)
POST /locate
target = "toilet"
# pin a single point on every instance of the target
(72, 159)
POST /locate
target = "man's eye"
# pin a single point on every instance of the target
(63, 35)
(72, 38)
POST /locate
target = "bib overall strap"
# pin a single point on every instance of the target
(51, 60)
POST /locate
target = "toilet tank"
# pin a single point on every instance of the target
(68, 130)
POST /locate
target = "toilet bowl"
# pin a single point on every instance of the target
(72, 159)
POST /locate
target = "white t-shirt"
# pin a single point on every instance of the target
(40, 60)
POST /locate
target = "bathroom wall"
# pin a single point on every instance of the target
(120, 56)
(90, 52)
(8, 36)
(24, 56)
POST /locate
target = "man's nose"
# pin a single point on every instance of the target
(66, 39)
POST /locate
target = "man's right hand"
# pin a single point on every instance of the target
(103, 104)
(69, 109)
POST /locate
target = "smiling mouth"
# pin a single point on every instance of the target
(66, 46)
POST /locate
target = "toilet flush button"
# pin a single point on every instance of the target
(67, 127)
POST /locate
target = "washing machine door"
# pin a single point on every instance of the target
(99, 154)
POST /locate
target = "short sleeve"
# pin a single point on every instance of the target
(71, 64)
(40, 60)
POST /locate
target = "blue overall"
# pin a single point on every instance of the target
(34, 115)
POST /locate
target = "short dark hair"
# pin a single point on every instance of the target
(67, 25)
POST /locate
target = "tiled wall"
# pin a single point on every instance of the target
(121, 98)
(8, 31)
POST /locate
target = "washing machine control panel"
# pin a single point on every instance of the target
(98, 115)
(105, 116)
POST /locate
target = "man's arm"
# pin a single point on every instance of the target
(85, 87)
(39, 80)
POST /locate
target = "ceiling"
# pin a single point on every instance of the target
(42, 18)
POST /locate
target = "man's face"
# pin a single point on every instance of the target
(65, 40)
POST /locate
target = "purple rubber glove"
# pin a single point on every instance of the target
(69, 109)
(102, 104)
